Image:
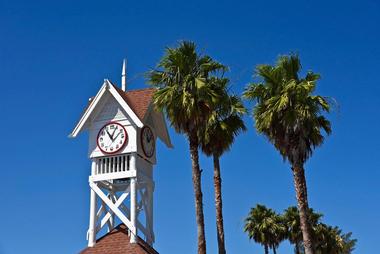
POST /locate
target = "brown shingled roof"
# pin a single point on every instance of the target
(117, 242)
(138, 100)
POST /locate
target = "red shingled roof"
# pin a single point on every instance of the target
(138, 100)
(117, 242)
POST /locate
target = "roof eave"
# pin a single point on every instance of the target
(107, 85)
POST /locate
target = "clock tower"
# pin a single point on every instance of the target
(123, 129)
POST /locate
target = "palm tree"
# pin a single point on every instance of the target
(222, 127)
(290, 116)
(291, 220)
(185, 94)
(327, 239)
(348, 243)
(331, 240)
(280, 232)
(264, 226)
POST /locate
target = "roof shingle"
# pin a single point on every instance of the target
(117, 242)
(138, 100)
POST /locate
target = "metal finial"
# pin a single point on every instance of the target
(124, 75)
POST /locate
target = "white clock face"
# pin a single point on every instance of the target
(112, 138)
(147, 141)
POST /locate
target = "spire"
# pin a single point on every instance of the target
(124, 75)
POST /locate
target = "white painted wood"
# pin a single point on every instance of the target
(112, 217)
(112, 206)
(112, 167)
(108, 222)
(143, 185)
(101, 210)
(110, 213)
(131, 168)
(117, 175)
(125, 106)
(139, 225)
(144, 167)
(149, 214)
(91, 230)
(107, 86)
(133, 200)
(108, 108)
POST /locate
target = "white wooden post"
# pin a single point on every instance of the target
(112, 218)
(91, 230)
(149, 213)
(133, 199)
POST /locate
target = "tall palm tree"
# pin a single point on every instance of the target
(185, 94)
(291, 220)
(222, 127)
(290, 116)
(264, 226)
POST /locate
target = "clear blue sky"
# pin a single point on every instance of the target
(54, 55)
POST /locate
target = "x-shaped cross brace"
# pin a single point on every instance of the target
(114, 207)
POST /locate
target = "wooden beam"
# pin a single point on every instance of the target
(116, 175)
(139, 225)
(110, 213)
(112, 206)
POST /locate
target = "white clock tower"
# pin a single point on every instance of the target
(123, 128)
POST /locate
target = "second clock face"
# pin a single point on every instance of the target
(147, 141)
(112, 138)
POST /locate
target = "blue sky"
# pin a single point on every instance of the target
(55, 55)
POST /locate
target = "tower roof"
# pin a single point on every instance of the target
(136, 103)
(117, 242)
(139, 100)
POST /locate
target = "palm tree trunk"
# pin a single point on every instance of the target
(196, 175)
(266, 249)
(303, 206)
(219, 205)
(274, 250)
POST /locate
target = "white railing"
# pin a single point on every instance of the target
(112, 164)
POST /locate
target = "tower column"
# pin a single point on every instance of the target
(133, 200)
(149, 213)
(92, 224)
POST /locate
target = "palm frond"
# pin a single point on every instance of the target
(287, 111)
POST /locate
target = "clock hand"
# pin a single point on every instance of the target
(149, 138)
(113, 133)
(117, 135)
(109, 135)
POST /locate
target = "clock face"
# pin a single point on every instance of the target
(112, 138)
(147, 141)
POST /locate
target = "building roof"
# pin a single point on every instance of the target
(117, 242)
(139, 100)
(136, 103)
